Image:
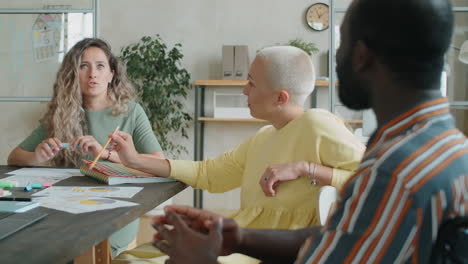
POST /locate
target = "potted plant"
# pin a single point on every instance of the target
(162, 84)
(309, 47)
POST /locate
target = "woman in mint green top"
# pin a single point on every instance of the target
(91, 97)
(102, 122)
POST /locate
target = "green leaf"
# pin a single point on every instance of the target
(161, 83)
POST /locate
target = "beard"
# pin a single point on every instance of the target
(352, 92)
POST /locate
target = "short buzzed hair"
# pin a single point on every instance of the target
(410, 37)
(291, 69)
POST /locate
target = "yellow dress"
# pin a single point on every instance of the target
(316, 136)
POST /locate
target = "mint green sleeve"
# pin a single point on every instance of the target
(143, 136)
(218, 175)
(34, 139)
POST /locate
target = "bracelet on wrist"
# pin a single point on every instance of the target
(109, 155)
(313, 176)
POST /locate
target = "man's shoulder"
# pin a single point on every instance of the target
(422, 152)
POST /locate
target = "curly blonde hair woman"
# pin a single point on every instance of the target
(91, 97)
(65, 117)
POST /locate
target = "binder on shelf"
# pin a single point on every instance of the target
(235, 62)
(241, 62)
(228, 62)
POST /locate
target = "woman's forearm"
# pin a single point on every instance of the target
(20, 157)
(150, 164)
(322, 174)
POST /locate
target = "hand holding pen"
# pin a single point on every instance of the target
(91, 166)
(123, 145)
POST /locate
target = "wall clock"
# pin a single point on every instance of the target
(317, 16)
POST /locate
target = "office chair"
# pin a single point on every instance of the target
(326, 199)
(451, 245)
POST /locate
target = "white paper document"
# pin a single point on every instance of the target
(81, 204)
(97, 191)
(27, 176)
(51, 172)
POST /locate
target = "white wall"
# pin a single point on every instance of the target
(202, 27)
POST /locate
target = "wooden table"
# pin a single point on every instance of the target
(61, 236)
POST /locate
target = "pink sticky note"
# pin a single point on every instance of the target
(46, 184)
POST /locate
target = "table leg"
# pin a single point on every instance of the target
(99, 254)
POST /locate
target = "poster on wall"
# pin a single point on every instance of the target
(46, 36)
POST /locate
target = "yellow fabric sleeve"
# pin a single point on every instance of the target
(217, 175)
(338, 148)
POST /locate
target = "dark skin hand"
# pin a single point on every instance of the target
(201, 221)
(186, 236)
(211, 235)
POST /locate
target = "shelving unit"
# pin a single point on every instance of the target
(213, 119)
(200, 119)
(456, 85)
(334, 11)
(332, 61)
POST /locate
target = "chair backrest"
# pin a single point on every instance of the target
(451, 245)
(326, 198)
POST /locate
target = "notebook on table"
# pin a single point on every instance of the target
(116, 173)
(17, 206)
(11, 223)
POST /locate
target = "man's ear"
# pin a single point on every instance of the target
(363, 57)
(283, 97)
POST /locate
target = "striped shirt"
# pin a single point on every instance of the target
(413, 177)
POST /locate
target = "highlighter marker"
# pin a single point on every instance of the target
(36, 186)
(6, 184)
(66, 145)
(46, 184)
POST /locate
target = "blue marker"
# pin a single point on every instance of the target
(27, 188)
(67, 145)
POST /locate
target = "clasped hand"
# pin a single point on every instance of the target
(189, 235)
